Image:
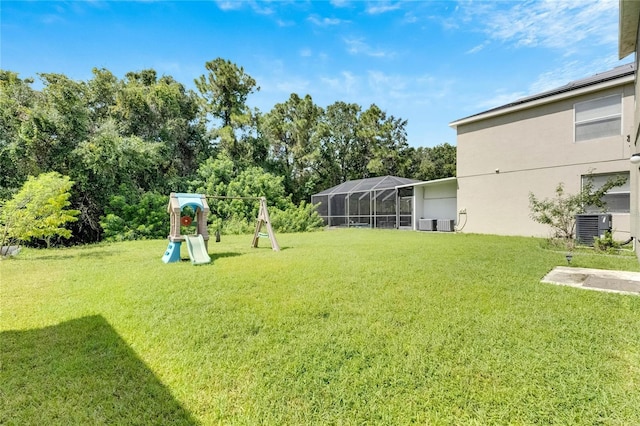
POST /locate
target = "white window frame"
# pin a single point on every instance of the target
(626, 190)
(596, 119)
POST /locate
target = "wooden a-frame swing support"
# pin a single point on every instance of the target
(263, 219)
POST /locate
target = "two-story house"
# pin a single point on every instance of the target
(563, 136)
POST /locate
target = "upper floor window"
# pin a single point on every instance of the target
(598, 118)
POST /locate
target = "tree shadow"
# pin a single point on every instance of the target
(80, 372)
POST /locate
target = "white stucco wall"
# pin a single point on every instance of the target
(435, 200)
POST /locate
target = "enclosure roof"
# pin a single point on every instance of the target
(370, 184)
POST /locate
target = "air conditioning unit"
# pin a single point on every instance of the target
(446, 225)
(590, 226)
(427, 224)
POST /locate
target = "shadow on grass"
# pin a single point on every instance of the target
(216, 256)
(60, 254)
(80, 372)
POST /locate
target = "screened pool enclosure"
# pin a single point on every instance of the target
(371, 203)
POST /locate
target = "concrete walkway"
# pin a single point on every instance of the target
(623, 282)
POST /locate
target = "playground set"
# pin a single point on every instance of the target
(198, 243)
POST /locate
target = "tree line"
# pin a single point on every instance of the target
(127, 143)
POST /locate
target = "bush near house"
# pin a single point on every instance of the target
(560, 212)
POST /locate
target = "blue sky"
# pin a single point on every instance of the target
(428, 62)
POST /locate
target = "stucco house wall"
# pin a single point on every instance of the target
(504, 154)
(629, 40)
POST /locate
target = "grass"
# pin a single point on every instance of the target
(340, 327)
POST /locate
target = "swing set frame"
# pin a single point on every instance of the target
(263, 219)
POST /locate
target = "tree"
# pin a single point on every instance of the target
(339, 156)
(102, 91)
(290, 129)
(560, 212)
(57, 122)
(161, 111)
(429, 163)
(224, 91)
(16, 100)
(39, 210)
(382, 143)
(109, 164)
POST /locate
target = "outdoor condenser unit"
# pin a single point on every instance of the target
(446, 225)
(427, 224)
(590, 226)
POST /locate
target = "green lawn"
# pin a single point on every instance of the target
(340, 327)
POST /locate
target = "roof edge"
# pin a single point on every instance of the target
(574, 88)
(430, 182)
(629, 18)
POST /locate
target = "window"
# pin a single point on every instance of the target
(617, 199)
(598, 118)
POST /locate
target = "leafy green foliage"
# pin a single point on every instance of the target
(16, 100)
(136, 217)
(291, 130)
(560, 212)
(606, 243)
(235, 216)
(224, 90)
(39, 210)
(437, 162)
(303, 218)
(148, 133)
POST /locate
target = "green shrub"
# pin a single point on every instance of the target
(302, 218)
(232, 226)
(606, 243)
(136, 217)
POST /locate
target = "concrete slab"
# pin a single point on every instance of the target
(623, 282)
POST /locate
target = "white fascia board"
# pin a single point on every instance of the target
(629, 15)
(546, 100)
(428, 182)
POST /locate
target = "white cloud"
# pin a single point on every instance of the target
(324, 22)
(340, 3)
(293, 85)
(377, 8)
(548, 23)
(410, 18)
(229, 4)
(357, 46)
(554, 78)
(570, 71)
(345, 83)
(477, 48)
(410, 89)
(261, 8)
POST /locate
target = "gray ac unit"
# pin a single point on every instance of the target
(427, 224)
(446, 225)
(590, 226)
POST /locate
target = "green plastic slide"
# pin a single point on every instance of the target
(197, 250)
